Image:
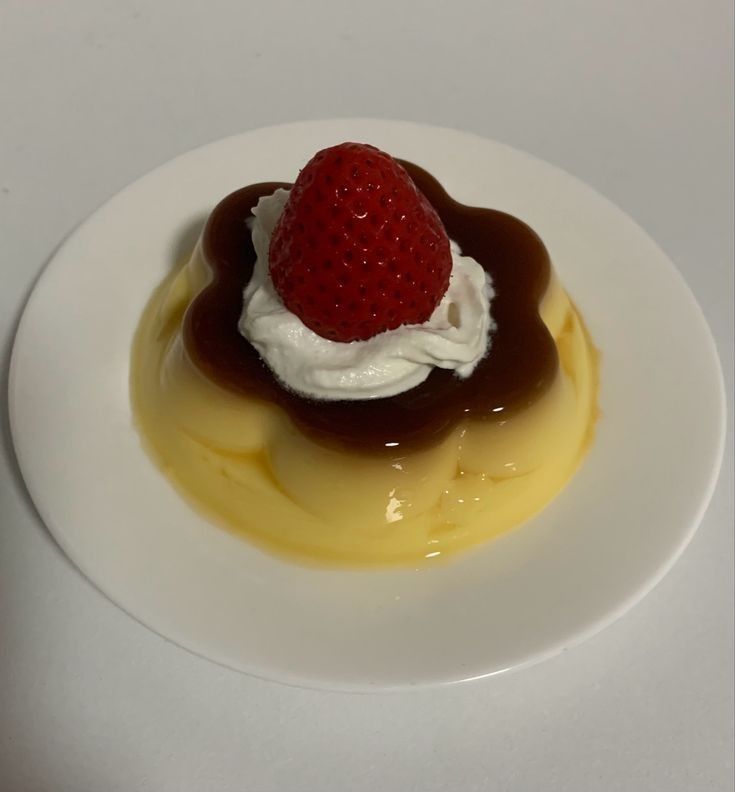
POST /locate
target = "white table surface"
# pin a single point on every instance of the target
(633, 96)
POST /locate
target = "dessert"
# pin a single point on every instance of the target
(358, 370)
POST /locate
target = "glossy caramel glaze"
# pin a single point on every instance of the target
(521, 366)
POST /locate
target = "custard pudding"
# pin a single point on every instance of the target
(476, 419)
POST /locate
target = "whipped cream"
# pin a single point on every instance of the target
(456, 335)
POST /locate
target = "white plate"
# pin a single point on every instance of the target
(605, 541)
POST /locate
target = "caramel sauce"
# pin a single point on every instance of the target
(521, 366)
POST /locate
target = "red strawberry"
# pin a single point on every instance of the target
(358, 249)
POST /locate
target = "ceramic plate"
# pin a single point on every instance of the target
(596, 550)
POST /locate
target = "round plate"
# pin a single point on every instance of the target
(596, 550)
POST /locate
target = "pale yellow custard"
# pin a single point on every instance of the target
(244, 465)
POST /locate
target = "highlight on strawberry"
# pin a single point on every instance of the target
(358, 249)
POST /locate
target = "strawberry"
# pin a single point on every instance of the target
(358, 249)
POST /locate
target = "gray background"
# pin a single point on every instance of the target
(633, 97)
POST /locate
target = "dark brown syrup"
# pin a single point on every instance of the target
(521, 366)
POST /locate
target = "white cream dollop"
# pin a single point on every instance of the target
(456, 335)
